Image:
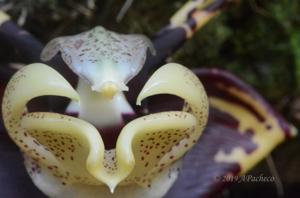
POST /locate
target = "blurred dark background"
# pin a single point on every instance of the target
(258, 40)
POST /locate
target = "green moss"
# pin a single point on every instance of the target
(253, 42)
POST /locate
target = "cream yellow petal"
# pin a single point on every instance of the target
(152, 143)
(70, 148)
(147, 140)
(33, 81)
(75, 144)
(52, 187)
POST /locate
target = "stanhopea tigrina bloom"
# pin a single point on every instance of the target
(66, 156)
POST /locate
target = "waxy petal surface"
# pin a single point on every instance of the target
(70, 148)
(159, 139)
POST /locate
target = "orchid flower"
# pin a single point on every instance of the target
(66, 156)
(242, 129)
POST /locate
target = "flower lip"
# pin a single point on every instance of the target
(73, 148)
